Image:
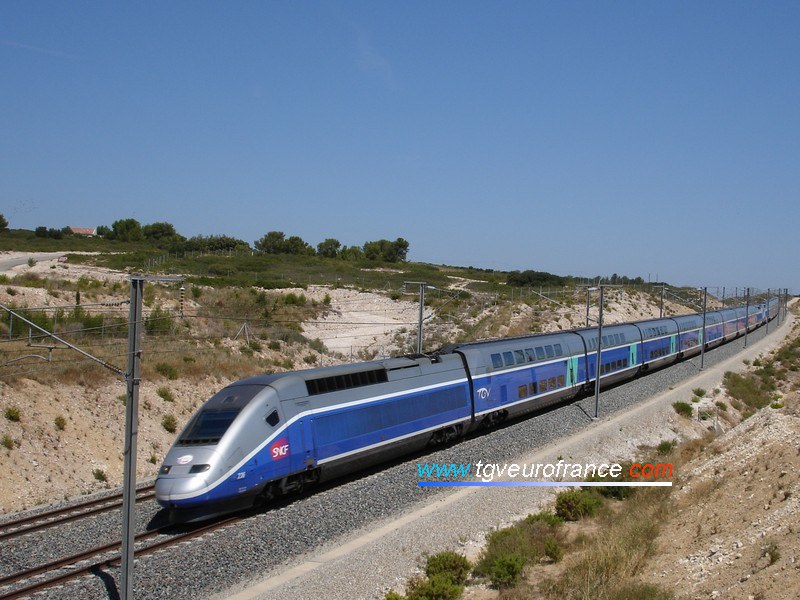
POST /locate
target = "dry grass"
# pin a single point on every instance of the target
(617, 552)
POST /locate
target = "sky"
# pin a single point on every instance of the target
(652, 139)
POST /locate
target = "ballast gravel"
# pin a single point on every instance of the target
(267, 546)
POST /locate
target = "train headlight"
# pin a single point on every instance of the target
(199, 469)
(164, 470)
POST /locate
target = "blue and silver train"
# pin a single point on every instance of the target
(271, 434)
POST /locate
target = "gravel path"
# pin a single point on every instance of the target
(288, 543)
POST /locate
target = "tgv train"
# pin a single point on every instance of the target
(270, 434)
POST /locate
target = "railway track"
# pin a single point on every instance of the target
(29, 581)
(60, 516)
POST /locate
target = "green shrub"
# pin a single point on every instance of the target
(700, 392)
(665, 447)
(611, 491)
(434, 588)
(13, 414)
(170, 423)
(748, 388)
(721, 405)
(545, 516)
(159, 321)
(167, 370)
(8, 442)
(506, 571)
(274, 345)
(60, 422)
(166, 394)
(553, 550)
(684, 409)
(575, 505)
(448, 564)
(99, 475)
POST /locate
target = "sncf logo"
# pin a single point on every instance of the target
(279, 449)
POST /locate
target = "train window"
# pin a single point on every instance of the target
(533, 388)
(209, 426)
(617, 340)
(334, 383)
(540, 353)
(530, 355)
(622, 337)
(549, 351)
(543, 385)
(561, 381)
(619, 364)
(508, 358)
(273, 418)
(520, 357)
(624, 363)
(551, 383)
(557, 348)
(497, 361)
(522, 391)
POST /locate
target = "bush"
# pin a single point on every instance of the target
(553, 550)
(166, 394)
(506, 570)
(700, 392)
(665, 447)
(167, 370)
(13, 414)
(684, 409)
(435, 588)
(8, 442)
(170, 423)
(721, 405)
(575, 505)
(100, 475)
(748, 389)
(60, 423)
(546, 516)
(449, 564)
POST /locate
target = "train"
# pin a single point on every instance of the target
(268, 435)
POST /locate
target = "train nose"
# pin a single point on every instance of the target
(170, 489)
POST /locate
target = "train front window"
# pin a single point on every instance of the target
(209, 426)
(217, 414)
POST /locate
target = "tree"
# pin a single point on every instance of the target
(329, 248)
(159, 231)
(214, 243)
(3, 223)
(297, 245)
(386, 251)
(41, 231)
(127, 230)
(271, 243)
(351, 253)
(104, 231)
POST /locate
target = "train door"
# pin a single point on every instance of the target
(297, 445)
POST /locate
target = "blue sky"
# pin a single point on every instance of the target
(642, 138)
